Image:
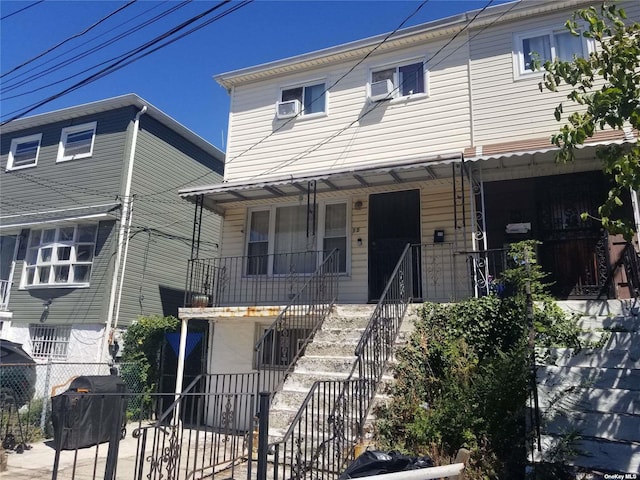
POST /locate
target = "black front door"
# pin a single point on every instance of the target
(394, 221)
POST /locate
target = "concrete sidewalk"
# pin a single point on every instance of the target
(37, 462)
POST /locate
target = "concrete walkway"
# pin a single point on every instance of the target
(37, 462)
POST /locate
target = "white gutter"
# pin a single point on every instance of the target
(125, 225)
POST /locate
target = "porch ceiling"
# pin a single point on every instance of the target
(216, 196)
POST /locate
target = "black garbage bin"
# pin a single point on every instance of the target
(86, 413)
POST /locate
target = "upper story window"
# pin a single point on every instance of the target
(303, 100)
(60, 256)
(77, 142)
(24, 152)
(397, 81)
(546, 45)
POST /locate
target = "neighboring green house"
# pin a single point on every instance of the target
(92, 232)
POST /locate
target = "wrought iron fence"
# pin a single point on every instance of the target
(283, 343)
(324, 432)
(443, 274)
(249, 280)
(631, 264)
(203, 433)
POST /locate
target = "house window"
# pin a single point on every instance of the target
(407, 79)
(49, 341)
(279, 347)
(284, 239)
(547, 46)
(24, 152)
(77, 142)
(335, 232)
(312, 98)
(60, 256)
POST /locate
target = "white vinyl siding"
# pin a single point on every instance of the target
(353, 134)
(24, 152)
(508, 107)
(77, 142)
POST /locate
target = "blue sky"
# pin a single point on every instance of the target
(178, 78)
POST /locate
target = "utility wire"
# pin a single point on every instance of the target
(85, 53)
(21, 10)
(121, 63)
(79, 34)
(368, 111)
(353, 67)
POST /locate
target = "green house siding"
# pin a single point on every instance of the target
(160, 237)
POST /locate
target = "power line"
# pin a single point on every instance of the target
(320, 96)
(21, 10)
(68, 39)
(121, 63)
(368, 111)
(75, 58)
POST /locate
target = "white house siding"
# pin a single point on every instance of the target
(397, 130)
(437, 212)
(520, 111)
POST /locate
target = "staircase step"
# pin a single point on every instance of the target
(589, 399)
(616, 323)
(553, 376)
(597, 358)
(610, 308)
(314, 363)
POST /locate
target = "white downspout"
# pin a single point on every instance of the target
(125, 220)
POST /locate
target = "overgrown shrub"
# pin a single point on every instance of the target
(141, 358)
(463, 379)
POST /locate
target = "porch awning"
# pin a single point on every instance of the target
(216, 196)
(75, 215)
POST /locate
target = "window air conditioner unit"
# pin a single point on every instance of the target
(288, 109)
(380, 90)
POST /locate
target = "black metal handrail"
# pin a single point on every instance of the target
(631, 265)
(330, 421)
(272, 279)
(284, 341)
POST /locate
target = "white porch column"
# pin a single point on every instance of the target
(181, 356)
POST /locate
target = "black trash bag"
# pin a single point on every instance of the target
(376, 462)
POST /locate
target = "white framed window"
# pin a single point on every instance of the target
(24, 152)
(285, 238)
(60, 256)
(303, 100)
(546, 45)
(77, 142)
(399, 80)
(8, 249)
(49, 341)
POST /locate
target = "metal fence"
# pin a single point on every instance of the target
(202, 434)
(26, 390)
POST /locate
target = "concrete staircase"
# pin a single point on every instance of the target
(330, 356)
(595, 393)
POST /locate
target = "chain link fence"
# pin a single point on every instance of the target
(26, 390)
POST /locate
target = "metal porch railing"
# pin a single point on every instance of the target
(249, 280)
(324, 432)
(284, 341)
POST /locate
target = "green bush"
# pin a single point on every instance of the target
(143, 342)
(464, 377)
